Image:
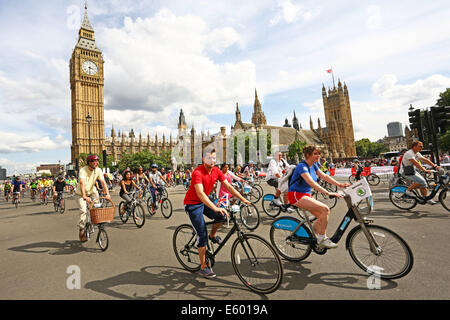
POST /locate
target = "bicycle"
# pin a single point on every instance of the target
(44, 196)
(272, 209)
(33, 194)
(60, 202)
(8, 192)
(373, 248)
(15, 199)
(254, 260)
(403, 201)
(134, 209)
(161, 201)
(255, 184)
(248, 192)
(97, 217)
(371, 178)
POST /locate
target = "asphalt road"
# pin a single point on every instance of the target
(40, 247)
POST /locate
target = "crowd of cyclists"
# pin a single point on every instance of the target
(209, 182)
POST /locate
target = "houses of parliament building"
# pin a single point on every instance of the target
(335, 139)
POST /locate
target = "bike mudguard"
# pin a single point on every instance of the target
(399, 189)
(288, 223)
(269, 197)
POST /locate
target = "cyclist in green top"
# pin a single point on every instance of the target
(7, 188)
(33, 188)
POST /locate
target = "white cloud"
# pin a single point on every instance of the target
(28, 142)
(290, 12)
(373, 17)
(159, 64)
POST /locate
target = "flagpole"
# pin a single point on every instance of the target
(332, 74)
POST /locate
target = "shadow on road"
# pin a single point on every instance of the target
(172, 281)
(297, 277)
(55, 248)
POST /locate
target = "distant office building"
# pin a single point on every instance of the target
(54, 169)
(2, 173)
(395, 129)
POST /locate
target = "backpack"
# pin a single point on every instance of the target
(286, 181)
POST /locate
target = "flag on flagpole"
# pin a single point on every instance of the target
(223, 202)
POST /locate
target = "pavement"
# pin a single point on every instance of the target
(41, 258)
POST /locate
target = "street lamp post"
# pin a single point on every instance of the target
(89, 120)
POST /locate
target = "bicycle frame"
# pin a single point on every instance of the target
(352, 214)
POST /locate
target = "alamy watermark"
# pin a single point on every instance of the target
(374, 280)
(73, 282)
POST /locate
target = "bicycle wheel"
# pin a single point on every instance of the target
(102, 239)
(253, 196)
(373, 179)
(166, 208)
(184, 246)
(325, 199)
(260, 189)
(352, 179)
(139, 215)
(269, 207)
(331, 187)
(16, 202)
(249, 216)
(256, 264)
(46, 200)
(400, 200)
(395, 259)
(444, 198)
(149, 206)
(124, 216)
(62, 207)
(291, 247)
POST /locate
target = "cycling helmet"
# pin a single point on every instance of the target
(91, 158)
(154, 166)
(60, 177)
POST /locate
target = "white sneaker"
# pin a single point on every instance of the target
(327, 243)
(432, 202)
(277, 202)
(290, 210)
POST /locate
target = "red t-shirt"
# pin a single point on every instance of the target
(201, 176)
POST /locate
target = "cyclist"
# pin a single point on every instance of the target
(33, 188)
(126, 185)
(86, 188)
(249, 170)
(59, 186)
(156, 180)
(303, 179)
(359, 169)
(7, 188)
(229, 176)
(275, 171)
(198, 204)
(141, 180)
(410, 160)
(17, 187)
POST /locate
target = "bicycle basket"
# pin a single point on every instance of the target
(101, 215)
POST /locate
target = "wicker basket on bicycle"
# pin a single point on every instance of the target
(101, 215)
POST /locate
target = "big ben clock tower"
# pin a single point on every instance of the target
(86, 85)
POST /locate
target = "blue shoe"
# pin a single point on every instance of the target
(207, 273)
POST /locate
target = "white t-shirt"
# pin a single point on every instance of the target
(406, 161)
(156, 177)
(89, 177)
(275, 167)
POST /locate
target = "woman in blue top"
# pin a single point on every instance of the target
(303, 180)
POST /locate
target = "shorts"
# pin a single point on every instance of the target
(195, 213)
(294, 196)
(417, 178)
(273, 183)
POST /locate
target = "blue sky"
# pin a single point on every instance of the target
(205, 56)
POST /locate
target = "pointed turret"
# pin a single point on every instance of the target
(311, 123)
(295, 124)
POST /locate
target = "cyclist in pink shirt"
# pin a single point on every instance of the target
(229, 176)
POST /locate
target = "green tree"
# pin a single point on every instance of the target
(296, 148)
(366, 148)
(144, 159)
(444, 142)
(444, 98)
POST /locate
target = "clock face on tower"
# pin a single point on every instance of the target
(89, 67)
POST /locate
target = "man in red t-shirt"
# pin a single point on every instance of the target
(197, 204)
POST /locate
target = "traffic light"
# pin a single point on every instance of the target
(441, 118)
(416, 122)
